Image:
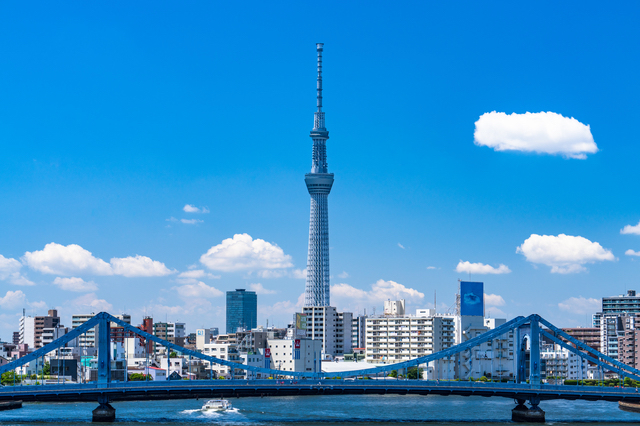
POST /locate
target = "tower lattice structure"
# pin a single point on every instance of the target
(319, 183)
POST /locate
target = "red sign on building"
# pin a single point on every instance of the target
(297, 344)
(267, 353)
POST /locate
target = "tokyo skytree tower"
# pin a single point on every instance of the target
(319, 183)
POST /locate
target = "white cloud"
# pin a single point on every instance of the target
(432, 267)
(192, 276)
(193, 209)
(285, 307)
(88, 303)
(632, 253)
(197, 290)
(38, 305)
(492, 311)
(75, 284)
(581, 305)
(66, 260)
(259, 289)
(139, 266)
(244, 253)
(10, 271)
(343, 275)
(542, 132)
(191, 221)
(299, 274)
(381, 290)
(565, 254)
(401, 246)
(272, 273)
(493, 300)
(8, 266)
(629, 229)
(13, 300)
(480, 268)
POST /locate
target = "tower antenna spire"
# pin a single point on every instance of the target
(319, 48)
(318, 117)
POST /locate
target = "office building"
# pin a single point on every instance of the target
(31, 328)
(242, 310)
(286, 357)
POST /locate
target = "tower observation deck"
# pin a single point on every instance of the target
(319, 183)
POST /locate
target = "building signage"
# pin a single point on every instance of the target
(471, 298)
(297, 344)
(301, 324)
(267, 353)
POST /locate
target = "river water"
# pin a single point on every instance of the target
(351, 410)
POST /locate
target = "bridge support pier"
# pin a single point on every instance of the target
(529, 415)
(105, 413)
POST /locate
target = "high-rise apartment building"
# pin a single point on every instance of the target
(242, 310)
(31, 328)
(587, 335)
(333, 328)
(319, 183)
(88, 338)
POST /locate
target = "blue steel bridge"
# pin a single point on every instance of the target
(521, 389)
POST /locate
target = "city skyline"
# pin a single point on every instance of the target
(146, 174)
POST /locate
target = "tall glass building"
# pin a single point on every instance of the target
(242, 310)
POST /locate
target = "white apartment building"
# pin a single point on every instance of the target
(27, 331)
(87, 339)
(254, 360)
(331, 327)
(393, 339)
(358, 331)
(283, 355)
(226, 351)
(564, 364)
(492, 359)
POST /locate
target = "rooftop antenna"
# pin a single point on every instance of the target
(435, 305)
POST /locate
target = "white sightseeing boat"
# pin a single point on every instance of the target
(216, 405)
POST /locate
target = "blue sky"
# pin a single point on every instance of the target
(114, 116)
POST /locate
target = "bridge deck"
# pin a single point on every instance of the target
(187, 389)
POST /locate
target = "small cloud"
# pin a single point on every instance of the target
(139, 266)
(90, 303)
(401, 246)
(629, 229)
(343, 275)
(193, 209)
(10, 271)
(581, 305)
(243, 253)
(13, 299)
(565, 254)
(481, 268)
(493, 300)
(75, 284)
(541, 132)
(191, 221)
(632, 253)
(197, 290)
(38, 305)
(300, 274)
(172, 219)
(259, 289)
(432, 267)
(189, 277)
(381, 290)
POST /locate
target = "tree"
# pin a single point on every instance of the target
(394, 373)
(173, 354)
(9, 378)
(414, 373)
(138, 377)
(46, 370)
